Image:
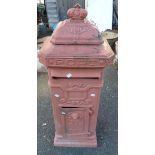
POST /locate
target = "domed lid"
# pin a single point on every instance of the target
(76, 29)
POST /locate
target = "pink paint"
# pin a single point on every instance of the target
(75, 58)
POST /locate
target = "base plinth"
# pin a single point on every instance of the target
(80, 142)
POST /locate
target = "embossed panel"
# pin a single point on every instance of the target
(77, 95)
(77, 89)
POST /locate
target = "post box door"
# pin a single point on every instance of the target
(75, 121)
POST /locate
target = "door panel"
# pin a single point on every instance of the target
(75, 121)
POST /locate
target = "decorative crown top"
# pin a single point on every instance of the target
(77, 13)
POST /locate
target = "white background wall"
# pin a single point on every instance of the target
(40, 1)
(100, 11)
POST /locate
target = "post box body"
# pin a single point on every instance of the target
(75, 58)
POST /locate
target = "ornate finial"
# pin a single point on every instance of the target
(77, 13)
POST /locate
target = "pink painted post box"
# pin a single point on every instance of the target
(75, 58)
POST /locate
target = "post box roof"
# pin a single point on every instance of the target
(75, 40)
(76, 29)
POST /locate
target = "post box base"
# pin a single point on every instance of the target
(75, 143)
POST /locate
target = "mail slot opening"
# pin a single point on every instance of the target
(70, 107)
(54, 77)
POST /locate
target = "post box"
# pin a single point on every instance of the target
(75, 58)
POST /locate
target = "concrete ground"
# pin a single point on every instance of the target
(106, 125)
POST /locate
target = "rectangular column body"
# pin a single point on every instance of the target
(75, 101)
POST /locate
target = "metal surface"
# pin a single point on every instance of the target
(75, 59)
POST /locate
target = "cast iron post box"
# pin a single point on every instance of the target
(75, 58)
